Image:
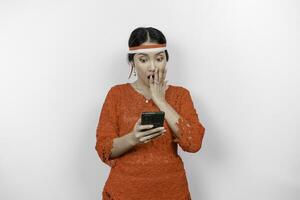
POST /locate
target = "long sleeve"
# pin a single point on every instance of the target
(107, 128)
(190, 128)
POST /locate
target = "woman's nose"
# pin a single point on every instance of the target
(152, 69)
(152, 66)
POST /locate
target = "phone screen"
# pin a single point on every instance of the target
(154, 118)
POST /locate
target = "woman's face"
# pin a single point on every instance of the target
(146, 63)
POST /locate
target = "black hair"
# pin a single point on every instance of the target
(143, 34)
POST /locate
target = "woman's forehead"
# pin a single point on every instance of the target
(154, 53)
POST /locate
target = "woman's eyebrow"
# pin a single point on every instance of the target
(147, 54)
(142, 54)
(159, 53)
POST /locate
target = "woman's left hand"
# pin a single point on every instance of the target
(158, 86)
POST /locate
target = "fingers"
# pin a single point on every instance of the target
(156, 78)
(151, 80)
(160, 76)
(138, 122)
(165, 85)
(164, 74)
(150, 134)
(143, 127)
(157, 129)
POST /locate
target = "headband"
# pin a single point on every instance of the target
(147, 48)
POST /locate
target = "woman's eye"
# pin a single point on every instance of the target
(160, 59)
(142, 60)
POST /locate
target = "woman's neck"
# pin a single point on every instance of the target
(142, 87)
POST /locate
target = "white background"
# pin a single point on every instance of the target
(239, 59)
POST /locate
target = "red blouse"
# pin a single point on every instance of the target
(150, 170)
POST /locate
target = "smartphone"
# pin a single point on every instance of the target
(154, 118)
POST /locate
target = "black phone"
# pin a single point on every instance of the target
(154, 118)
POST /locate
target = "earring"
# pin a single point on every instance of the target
(134, 72)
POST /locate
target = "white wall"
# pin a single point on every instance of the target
(239, 59)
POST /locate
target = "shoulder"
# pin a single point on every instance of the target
(120, 86)
(116, 88)
(112, 94)
(180, 90)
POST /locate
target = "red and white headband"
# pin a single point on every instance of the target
(147, 48)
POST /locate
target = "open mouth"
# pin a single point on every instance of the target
(149, 77)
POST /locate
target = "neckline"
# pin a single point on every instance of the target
(139, 94)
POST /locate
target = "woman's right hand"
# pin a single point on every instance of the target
(140, 134)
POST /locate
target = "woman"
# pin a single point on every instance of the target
(144, 161)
